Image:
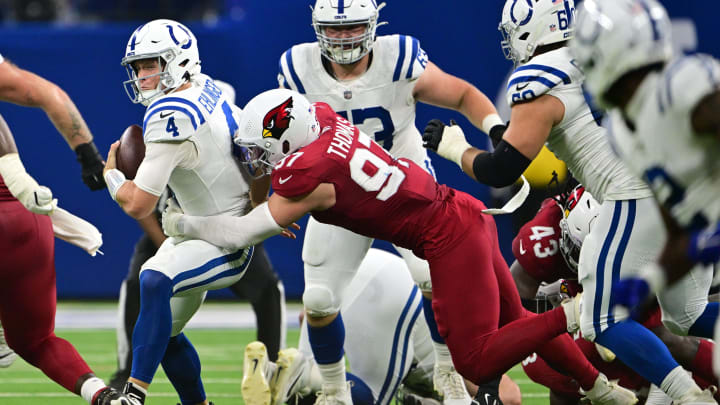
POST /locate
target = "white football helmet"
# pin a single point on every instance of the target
(275, 124)
(615, 37)
(175, 48)
(328, 13)
(580, 212)
(528, 24)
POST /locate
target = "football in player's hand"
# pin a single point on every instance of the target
(131, 151)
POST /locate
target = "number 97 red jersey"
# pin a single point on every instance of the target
(537, 246)
(376, 195)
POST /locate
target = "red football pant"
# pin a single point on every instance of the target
(27, 295)
(479, 313)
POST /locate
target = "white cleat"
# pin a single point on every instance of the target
(334, 396)
(450, 386)
(288, 379)
(704, 397)
(7, 355)
(255, 383)
(571, 306)
(606, 392)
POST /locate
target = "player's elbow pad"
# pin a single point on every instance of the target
(500, 168)
(234, 232)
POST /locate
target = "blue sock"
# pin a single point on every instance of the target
(182, 366)
(153, 327)
(704, 326)
(430, 319)
(327, 342)
(639, 349)
(360, 392)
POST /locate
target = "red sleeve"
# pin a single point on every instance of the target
(296, 174)
(537, 245)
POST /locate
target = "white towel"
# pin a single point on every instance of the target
(76, 230)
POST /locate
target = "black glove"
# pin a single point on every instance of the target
(496, 134)
(92, 165)
(433, 134)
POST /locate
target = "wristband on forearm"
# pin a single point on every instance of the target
(114, 178)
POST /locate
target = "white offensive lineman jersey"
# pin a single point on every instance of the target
(380, 102)
(202, 115)
(681, 166)
(578, 140)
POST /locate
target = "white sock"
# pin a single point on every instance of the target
(657, 397)
(678, 383)
(442, 355)
(333, 375)
(90, 387)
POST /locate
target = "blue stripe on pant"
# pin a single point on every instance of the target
(244, 254)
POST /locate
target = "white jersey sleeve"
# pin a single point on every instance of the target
(171, 119)
(288, 77)
(549, 73)
(687, 81)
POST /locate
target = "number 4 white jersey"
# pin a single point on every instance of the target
(380, 102)
(578, 139)
(681, 166)
(213, 183)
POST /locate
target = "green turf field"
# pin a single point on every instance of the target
(221, 353)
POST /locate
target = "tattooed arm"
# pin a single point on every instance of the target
(25, 88)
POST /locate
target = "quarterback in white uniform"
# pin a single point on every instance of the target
(375, 83)
(665, 124)
(382, 310)
(548, 106)
(188, 128)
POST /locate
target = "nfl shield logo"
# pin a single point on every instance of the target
(347, 94)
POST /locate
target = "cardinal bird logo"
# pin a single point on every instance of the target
(277, 120)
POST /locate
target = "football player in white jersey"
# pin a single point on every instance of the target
(548, 106)
(665, 123)
(373, 81)
(382, 311)
(188, 130)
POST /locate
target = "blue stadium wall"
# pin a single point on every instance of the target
(243, 49)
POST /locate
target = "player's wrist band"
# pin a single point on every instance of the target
(114, 178)
(490, 121)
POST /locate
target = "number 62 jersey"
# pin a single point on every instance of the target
(380, 102)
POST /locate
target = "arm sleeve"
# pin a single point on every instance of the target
(232, 232)
(161, 158)
(500, 168)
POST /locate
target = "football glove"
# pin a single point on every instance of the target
(34, 197)
(448, 141)
(92, 165)
(630, 292)
(171, 218)
(705, 245)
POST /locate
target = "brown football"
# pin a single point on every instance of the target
(131, 151)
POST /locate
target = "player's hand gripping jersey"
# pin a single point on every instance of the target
(376, 195)
(380, 103)
(578, 139)
(681, 166)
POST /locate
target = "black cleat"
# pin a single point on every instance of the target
(110, 396)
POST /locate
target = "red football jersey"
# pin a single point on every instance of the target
(5, 194)
(376, 195)
(537, 246)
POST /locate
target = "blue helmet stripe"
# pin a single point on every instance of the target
(548, 69)
(293, 74)
(523, 79)
(415, 46)
(400, 60)
(169, 108)
(653, 23)
(341, 6)
(181, 101)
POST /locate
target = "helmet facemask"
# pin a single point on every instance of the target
(166, 82)
(255, 158)
(345, 51)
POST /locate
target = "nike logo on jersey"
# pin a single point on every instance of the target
(166, 115)
(519, 87)
(283, 181)
(522, 251)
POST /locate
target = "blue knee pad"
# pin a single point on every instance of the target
(153, 327)
(182, 366)
(327, 342)
(705, 324)
(639, 349)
